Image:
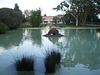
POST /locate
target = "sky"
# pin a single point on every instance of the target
(45, 5)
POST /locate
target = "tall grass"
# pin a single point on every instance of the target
(52, 59)
(98, 30)
(24, 64)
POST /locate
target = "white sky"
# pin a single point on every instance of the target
(45, 5)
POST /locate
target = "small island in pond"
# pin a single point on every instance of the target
(53, 33)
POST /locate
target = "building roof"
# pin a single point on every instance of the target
(51, 16)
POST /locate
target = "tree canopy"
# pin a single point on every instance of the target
(36, 18)
(80, 8)
(11, 17)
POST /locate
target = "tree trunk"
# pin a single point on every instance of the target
(84, 19)
(77, 20)
(84, 22)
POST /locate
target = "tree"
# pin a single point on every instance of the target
(93, 19)
(36, 18)
(16, 8)
(56, 19)
(27, 13)
(79, 8)
(45, 15)
(21, 16)
(68, 19)
(10, 17)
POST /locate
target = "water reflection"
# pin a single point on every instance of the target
(26, 34)
(2, 50)
(36, 37)
(81, 47)
(13, 38)
(98, 35)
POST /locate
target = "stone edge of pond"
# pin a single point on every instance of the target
(67, 28)
(81, 27)
(29, 28)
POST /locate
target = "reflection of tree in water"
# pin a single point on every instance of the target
(24, 73)
(26, 34)
(36, 37)
(13, 38)
(82, 48)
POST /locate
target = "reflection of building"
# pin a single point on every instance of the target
(2, 50)
(49, 19)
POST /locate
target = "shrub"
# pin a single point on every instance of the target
(53, 31)
(3, 28)
(98, 30)
(24, 64)
(10, 17)
(51, 60)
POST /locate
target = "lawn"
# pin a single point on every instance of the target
(29, 26)
(64, 25)
(42, 25)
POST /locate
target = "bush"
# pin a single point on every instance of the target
(24, 64)
(3, 28)
(98, 30)
(10, 17)
(51, 60)
(53, 31)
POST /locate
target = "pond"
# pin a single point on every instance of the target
(80, 50)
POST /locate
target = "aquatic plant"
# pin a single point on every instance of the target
(52, 59)
(24, 64)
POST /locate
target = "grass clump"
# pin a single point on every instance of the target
(52, 59)
(24, 64)
(98, 30)
(3, 28)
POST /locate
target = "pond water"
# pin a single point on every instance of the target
(80, 50)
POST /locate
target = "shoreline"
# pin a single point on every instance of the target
(65, 28)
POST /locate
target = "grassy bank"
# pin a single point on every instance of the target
(42, 25)
(30, 26)
(64, 25)
(25, 26)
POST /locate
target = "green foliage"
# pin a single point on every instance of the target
(24, 64)
(80, 8)
(25, 26)
(36, 18)
(42, 25)
(10, 17)
(16, 8)
(98, 30)
(53, 31)
(69, 19)
(55, 19)
(3, 28)
(52, 59)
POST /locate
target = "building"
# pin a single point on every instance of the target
(49, 19)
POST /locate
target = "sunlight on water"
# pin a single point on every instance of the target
(79, 48)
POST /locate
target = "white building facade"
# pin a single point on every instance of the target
(49, 19)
